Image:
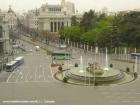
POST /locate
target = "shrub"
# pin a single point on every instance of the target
(76, 65)
(127, 69)
(65, 79)
(95, 84)
(111, 65)
(135, 75)
(60, 68)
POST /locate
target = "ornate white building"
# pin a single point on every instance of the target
(53, 17)
(12, 19)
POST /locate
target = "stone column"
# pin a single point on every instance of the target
(53, 26)
(56, 26)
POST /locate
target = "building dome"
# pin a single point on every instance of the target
(10, 10)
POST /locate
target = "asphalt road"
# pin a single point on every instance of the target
(33, 83)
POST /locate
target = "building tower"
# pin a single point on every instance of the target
(63, 2)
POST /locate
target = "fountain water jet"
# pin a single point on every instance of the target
(81, 65)
(135, 69)
(106, 61)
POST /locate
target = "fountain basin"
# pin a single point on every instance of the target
(109, 75)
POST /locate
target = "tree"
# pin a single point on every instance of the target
(72, 32)
(106, 31)
(129, 27)
(101, 34)
(90, 36)
(74, 21)
(88, 21)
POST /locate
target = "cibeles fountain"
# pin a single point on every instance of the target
(95, 74)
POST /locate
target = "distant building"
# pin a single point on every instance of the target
(53, 17)
(123, 13)
(12, 19)
(105, 10)
(4, 33)
(112, 13)
(32, 19)
(136, 10)
(50, 18)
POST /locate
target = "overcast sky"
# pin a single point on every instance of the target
(81, 5)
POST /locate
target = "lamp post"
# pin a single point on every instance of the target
(1, 50)
(111, 37)
(4, 49)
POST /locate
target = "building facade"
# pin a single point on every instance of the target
(53, 17)
(4, 33)
(50, 18)
(32, 19)
(12, 19)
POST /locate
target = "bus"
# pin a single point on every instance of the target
(20, 60)
(57, 55)
(134, 55)
(11, 66)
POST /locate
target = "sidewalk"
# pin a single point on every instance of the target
(44, 46)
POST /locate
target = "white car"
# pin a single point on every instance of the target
(16, 46)
(30, 50)
(37, 48)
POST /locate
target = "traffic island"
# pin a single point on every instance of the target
(94, 76)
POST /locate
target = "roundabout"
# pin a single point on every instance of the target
(95, 75)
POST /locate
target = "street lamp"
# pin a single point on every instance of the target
(111, 37)
(4, 49)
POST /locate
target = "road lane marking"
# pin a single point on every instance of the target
(41, 73)
(26, 78)
(21, 77)
(10, 76)
(20, 73)
(30, 77)
(127, 101)
(52, 73)
(28, 101)
(39, 76)
(44, 74)
(35, 74)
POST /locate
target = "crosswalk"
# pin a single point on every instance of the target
(26, 75)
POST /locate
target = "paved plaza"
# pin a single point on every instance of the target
(34, 83)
